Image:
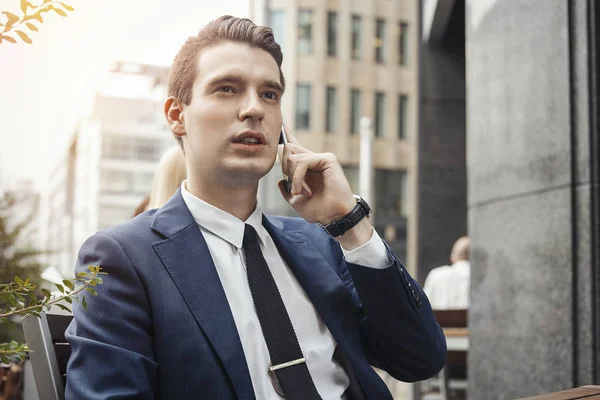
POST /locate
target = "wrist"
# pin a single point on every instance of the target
(339, 211)
(357, 236)
(350, 220)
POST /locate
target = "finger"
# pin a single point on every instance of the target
(299, 171)
(292, 162)
(291, 150)
(282, 188)
(298, 177)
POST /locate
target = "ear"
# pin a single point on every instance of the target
(174, 113)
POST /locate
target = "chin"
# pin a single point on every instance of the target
(249, 169)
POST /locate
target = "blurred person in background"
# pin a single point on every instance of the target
(169, 174)
(208, 298)
(447, 287)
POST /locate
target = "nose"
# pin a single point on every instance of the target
(252, 107)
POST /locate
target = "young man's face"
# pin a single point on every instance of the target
(233, 121)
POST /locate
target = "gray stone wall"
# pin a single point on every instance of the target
(528, 136)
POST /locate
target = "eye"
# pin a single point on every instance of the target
(270, 95)
(226, 89)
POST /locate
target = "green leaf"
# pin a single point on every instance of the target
(66, 6)
(69, 284)
(83, 275)
(11, 299)
(47, 293)
(84, 303)
(92, 291)
(99, 280)
(63, 307)
(31, 26)
(18, 280)
(25, 38)
(60, 287)
(69, 300)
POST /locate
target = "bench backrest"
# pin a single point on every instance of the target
(49, 353)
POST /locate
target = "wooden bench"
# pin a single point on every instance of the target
(583, 392)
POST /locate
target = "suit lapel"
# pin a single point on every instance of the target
(187, 259)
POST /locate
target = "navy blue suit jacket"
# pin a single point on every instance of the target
(161, 326)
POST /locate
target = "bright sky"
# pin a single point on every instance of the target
(46, 86)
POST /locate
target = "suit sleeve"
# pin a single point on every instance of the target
(398, 330)
(112, 352)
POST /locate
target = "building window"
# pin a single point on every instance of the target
(277, 23)
(305, 31)
(379, 114)
(116, 148)
(379, 40)
(303, 106)
(390, 194)
(331, 33)
(147, 150)
(403, 44)
(355, 112)
(142, 183)
(331, 115)
(356, 38)
(115, 181)
(402, 115)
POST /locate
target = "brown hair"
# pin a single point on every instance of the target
(223, 29)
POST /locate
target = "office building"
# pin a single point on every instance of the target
(344, 60)
(109, 162)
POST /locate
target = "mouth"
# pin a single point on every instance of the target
(250, 138)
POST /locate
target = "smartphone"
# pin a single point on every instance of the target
(283, 140)
(282, 136)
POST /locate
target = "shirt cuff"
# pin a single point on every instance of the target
(372, 254)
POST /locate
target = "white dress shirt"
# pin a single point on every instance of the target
(447, 287)
(224, 235)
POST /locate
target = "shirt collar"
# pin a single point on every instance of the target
(462, 264)
(221, 223)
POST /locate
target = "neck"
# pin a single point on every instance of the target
(236, 199)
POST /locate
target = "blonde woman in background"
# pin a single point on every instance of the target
(167, 179)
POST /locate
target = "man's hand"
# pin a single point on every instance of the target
(320, 191)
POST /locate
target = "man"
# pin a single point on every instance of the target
(208, 298)
(447, 287)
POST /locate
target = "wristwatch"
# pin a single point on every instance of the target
(349, 221)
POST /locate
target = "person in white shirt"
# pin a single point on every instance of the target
(208, 298)
(447, 287)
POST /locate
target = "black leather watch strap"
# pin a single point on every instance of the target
(348, 221)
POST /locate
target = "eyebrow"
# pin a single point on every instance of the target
(235, 78)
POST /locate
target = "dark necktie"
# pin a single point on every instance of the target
(287, 361)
